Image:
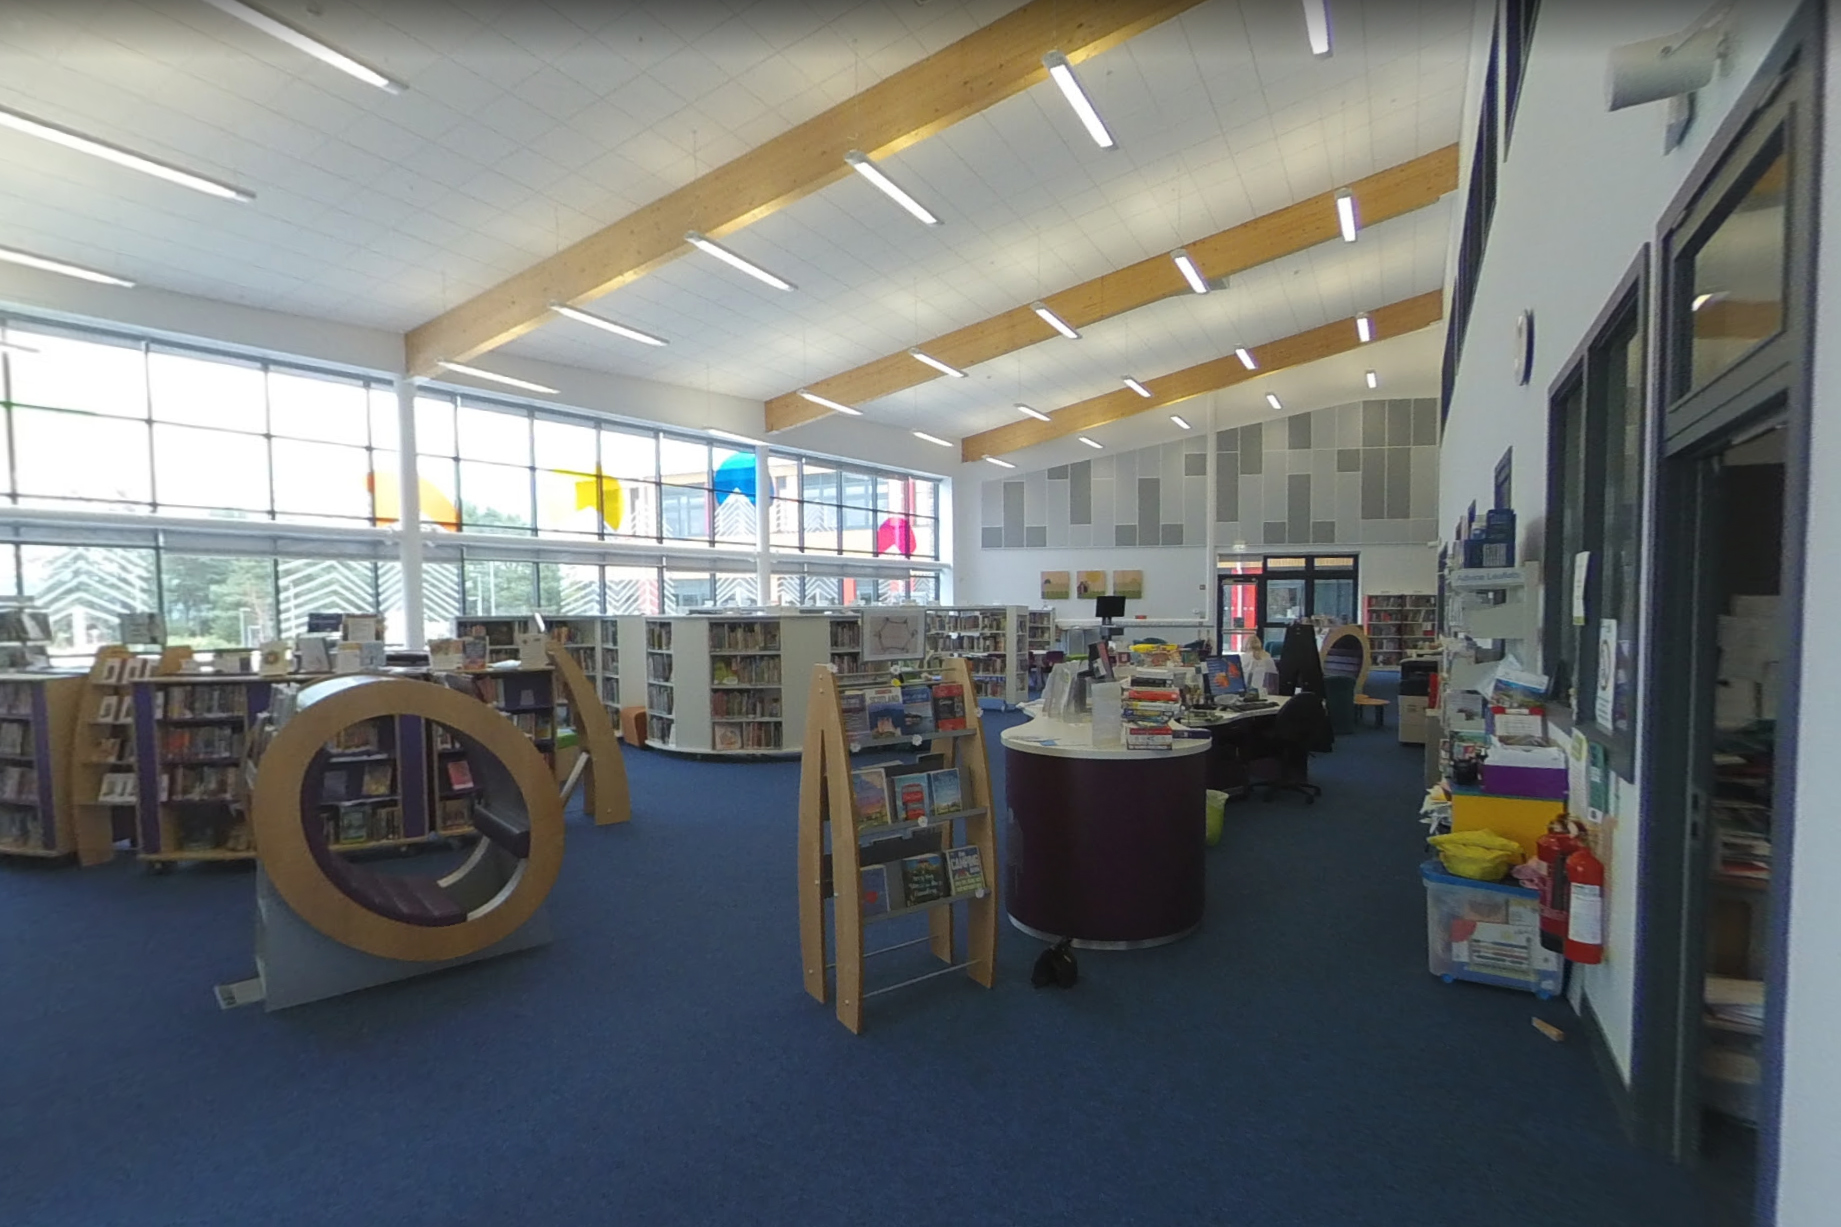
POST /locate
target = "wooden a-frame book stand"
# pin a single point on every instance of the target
(828, 800)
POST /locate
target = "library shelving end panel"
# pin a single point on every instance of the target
(831, 842)
(605, 795)
(97, 750)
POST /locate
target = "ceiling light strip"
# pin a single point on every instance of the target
(1364, 327)
(1190, 272)
(302, 41)
(1054, 321)
(1317, 25)
(859, 162)
(1246, 359)
(936, 364)
(1089, 442)
(494, 377)
(1137, 387)
(1063, 74)
(1181, 421)
(1273, 400)
(1374, 379)
(1345, 214)
(606, 325)
(1037, 414)
(696, 239)
(921, 434)
(21, 122)
(828, 403)
(1002, 464)
(45, 263)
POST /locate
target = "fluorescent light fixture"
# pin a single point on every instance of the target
(1701, 300)
(26, 258)
(828, 403)
(921, 434)
(21, 122)
(493, 377)
(304, 42)
(1246, 359)
(1179, 421)
(1191, 273)
(936, 364)
(1364, 327)
(1317, 25)
(1054, 321)
(1063, 73)
(859, 161)
(1374, 380)
(696, 239)
(1002, 464)
(732, 437)
(14, 347)
(1087, 441)
(1273, 400)
(1345, 214)
(1037, 414)
(595, 321)
(1137, 387)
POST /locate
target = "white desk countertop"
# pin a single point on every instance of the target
(1058, 739)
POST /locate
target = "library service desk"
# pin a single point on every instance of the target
(1105, 844)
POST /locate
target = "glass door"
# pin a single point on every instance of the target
(1303, 586)
(1237, 608)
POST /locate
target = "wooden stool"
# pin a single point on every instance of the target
(633, 726)
(1379, 706)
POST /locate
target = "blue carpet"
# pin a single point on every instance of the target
(1292, 1063)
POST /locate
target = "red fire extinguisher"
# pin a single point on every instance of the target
(1585, 907)
(1551, 851)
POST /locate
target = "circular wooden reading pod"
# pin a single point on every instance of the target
(518, 814)
(1346, 653)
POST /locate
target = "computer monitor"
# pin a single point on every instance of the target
(1225, 675)
(1109, 607)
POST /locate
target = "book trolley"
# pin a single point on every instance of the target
(38, 713)
(836, 845)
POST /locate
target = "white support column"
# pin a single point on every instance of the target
(1211, 561)
(415, 632)
(763, 526)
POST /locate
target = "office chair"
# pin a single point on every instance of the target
(1300, 725)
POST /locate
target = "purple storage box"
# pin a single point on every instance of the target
(1542, 782)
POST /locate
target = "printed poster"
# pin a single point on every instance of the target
(1056, 585)
(1128, 584)
(1605, 709)
(1090, 583)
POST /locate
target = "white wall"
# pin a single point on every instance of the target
(1579, 195)
(1809, 1179)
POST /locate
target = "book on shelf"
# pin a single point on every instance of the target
(105, 711)
(447, 655)
(336, 785)
(527, 696)
(362, 628)
(727, 736)
(459, 774)
(856, 712)
(354, 824)
(454, 814)
(475, 652)
(871, 785)
(387, 822)
(948, 706)
(106, 750)
(12, 738)
(911, 797)
(923, 879)
(378, 778)
(314, 654)
(917, 709)
(108, 671)
(361, 738)
(276, 659)
(884, 711)
(946, 790)
(117, 788)
(875, 889)
(965, 870)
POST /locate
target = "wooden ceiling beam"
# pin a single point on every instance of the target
(1390, 193)
(1395, 319)
(980, 70)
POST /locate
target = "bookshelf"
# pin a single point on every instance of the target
(370, 783)
(1400, 624)
(605, 796)
(846, 643)
(992, 640)
(38, 715)
(190, 731)
(103, 774)
(1041, 624)
(716, 684)
(842, 842)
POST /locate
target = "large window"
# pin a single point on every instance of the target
(1594, 548)
(820, 507)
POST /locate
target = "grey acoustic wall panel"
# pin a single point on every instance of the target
(1348, 460)
(1399, 423)
(1227, 494)
(1227, 440)
(1195, 464)
(1035, 498)
(1251, 448)
(1297, 507)
(991, 505)
(1035, 538)
(1425, 482)
(1125, 535)
(992, 538)
(1013, 515)
(1374, 423)
(1374, 483)
(1349, 425)
(1275, 532)
(1297, 432)
(1058, 473)
(1150, 504)
(1399, 482)
(1425, 423)
(1323, 532)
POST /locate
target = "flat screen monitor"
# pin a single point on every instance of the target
(1109, 607)
(1225, 675)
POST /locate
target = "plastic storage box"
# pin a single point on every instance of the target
(1488, 932)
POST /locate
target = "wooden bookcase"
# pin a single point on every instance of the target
(718, 684)
(190, 731)
(38, 722)
(1399, 625)
(834, 847)
(373, 783)
(994, 639)
(104, 747)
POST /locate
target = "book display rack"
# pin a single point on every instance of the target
(102, 767)
(715, 684)
(190, 731)
(893, 838)
(994, 642)
(1399, 625)
(38, 714)
(371, 782)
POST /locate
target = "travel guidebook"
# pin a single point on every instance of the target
(872, 790)
(923, 878)
(944, 786)
(965, 868)
(911, 797)
(886, 714)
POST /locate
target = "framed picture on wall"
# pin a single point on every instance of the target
(1090, 583)
(1128, 584)
(1055, 585)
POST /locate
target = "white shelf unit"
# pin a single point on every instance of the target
(1495, 603)
(1400, 624)
(605, 648)
(994, 642)
(1041, 630)
(718, 684)
(846, 642)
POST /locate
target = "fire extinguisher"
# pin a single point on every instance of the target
(1551, 851)
(1585, 907)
